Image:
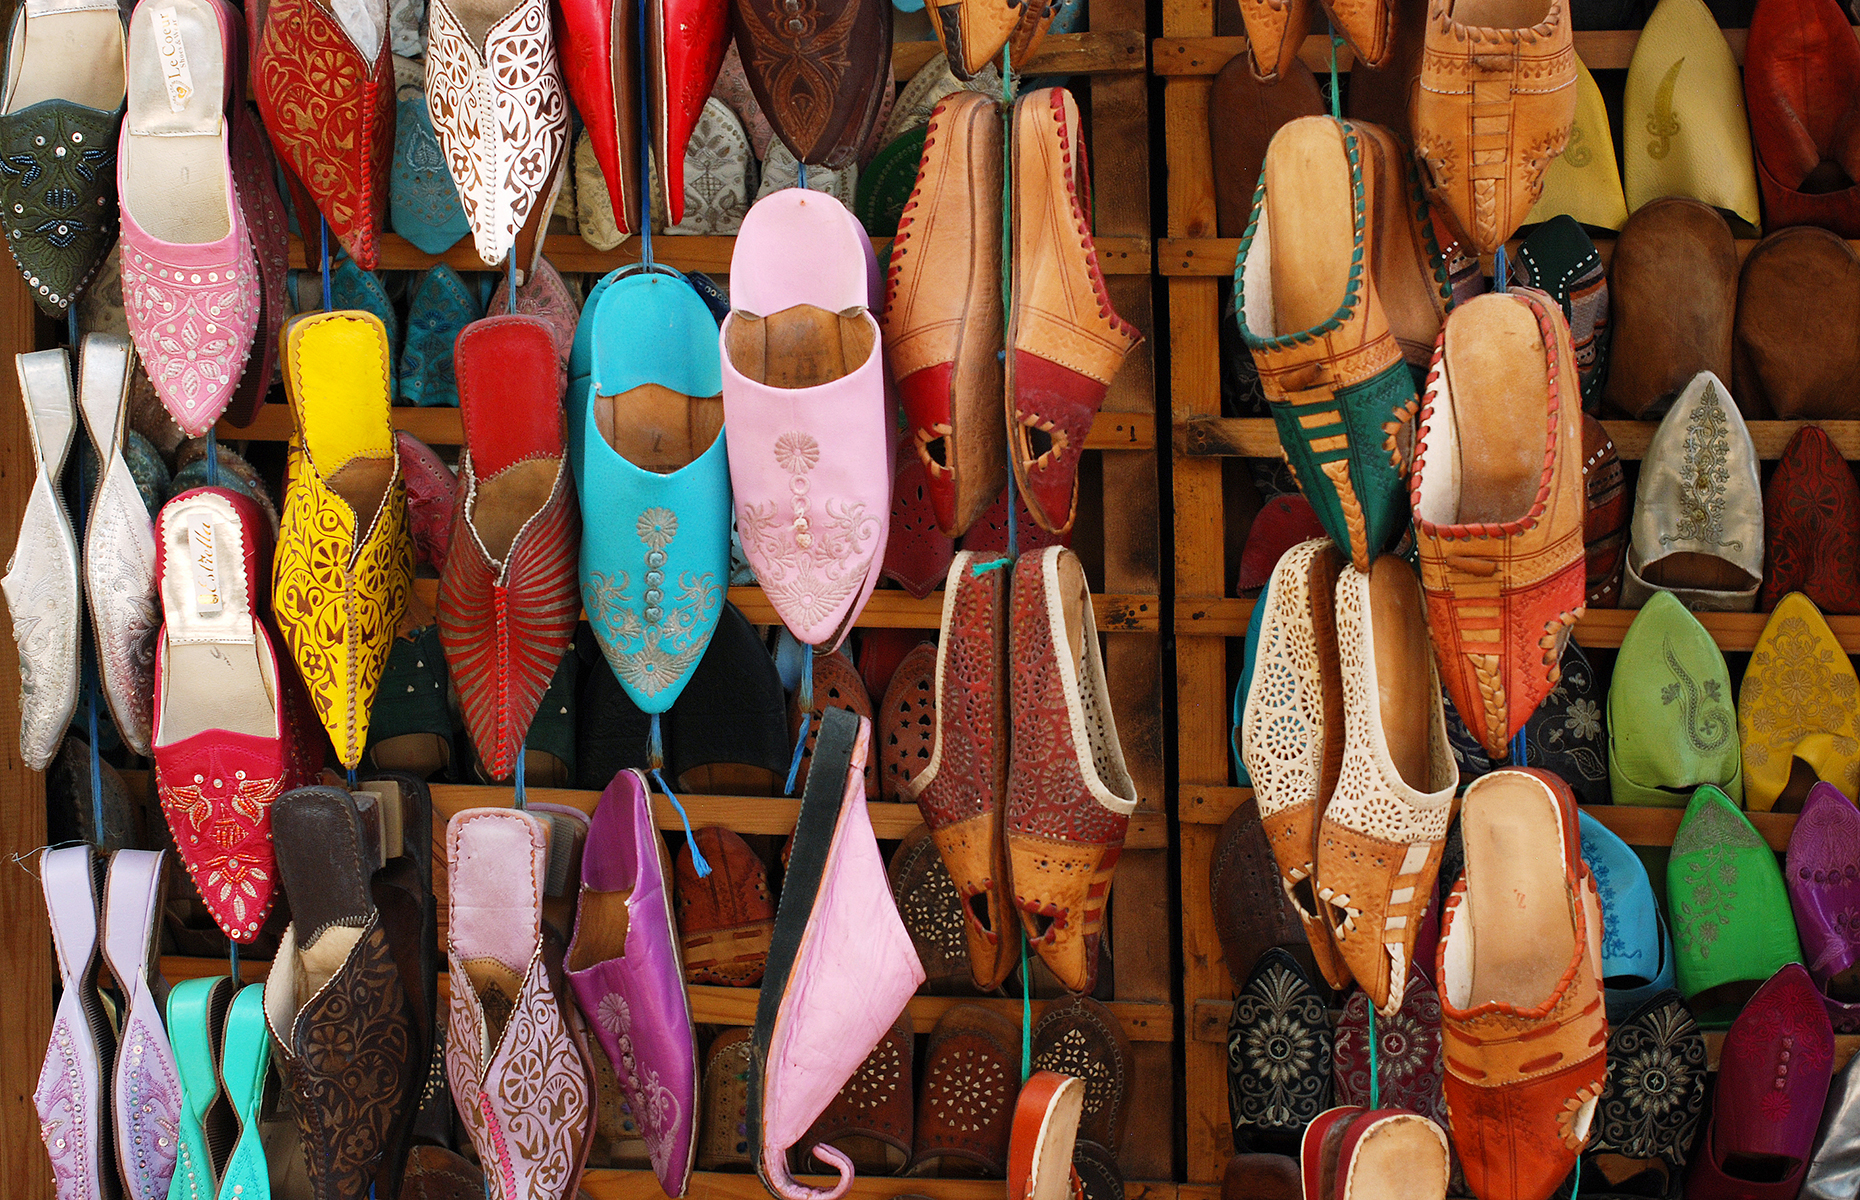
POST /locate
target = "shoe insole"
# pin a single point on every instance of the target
(1706, 572)
(1398, 621)
(342, 404)
(1051, 1177)
(477, 17)
(1501, 396)
(1516, 894)
(799, 347)
(217, 675)
(1500, 14)
(175, 156)
(656, 428)
(1312, 231)
(316, 965)
(499, 863)
(602, 928)
(1401, 1160)
(505, 502)
(496, 987)
(75, 56)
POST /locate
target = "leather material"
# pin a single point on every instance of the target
(70, 1096)
(600, 55)
(634, 1000)
(435, 1173)
(439, 310)
(119, 546)
(1696, 139)
(59, 214)
(1261, 1177)
(1811, 527)
(546, 296)
(1283, 522)
(1649, 1113)
(989, 535)
(1410, 273)
(432, 493)
(871, 1120)
(502, 120)
(1279, 1046)
(733, 711)
(886, 183)
(1831, 1168)
(1637, 950)
(1822, 873)
(526, 1095)
(217, 786)
(1488, 181)
(1354, 1152)
(1530, 566)
(918, 553)
(1559, 260)
(829, 443)
(255, 173)
(1672, 290)
(1524, 1068)
(819, 78)
(972, 32)
(1605, 525)
(1381, 838)
(1069, 795)
(341, 578)
(245, 1066)
(962, 792)
(333, 126)
(1252, 913)
(1095, 1169)
(1274, 34)
(1670, 722)
(1773, 1077)
(506, 619)
(1782, 367)
(836, 684)
(1731, 923)
(196, 1020)
(1699, 495)
(1565, 735)
(1340, 393)
(932, 910)
(1065, 343)
(1080, 1037)
(1045, 1130)
(1802, 88)
(1584, 182)
(685, 41)
(934, 82)
(942, 324)
(144, 1092)
(423, 202)
(965, 1107)
(672, 527)
(907, 722)
(1790, 707)
(724, 1134)
(41, 581)
(726, 918)
(836, 894)
(1410, 1063)
(1291, 733)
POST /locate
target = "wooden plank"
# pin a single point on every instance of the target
(1118, 51)
(1199, 805)
(569, 254)
(440, 427)
(1181, 55)
(1200, 255)
(1600, 628)
(1209, 1131)
(26, 941)
(603, 1184)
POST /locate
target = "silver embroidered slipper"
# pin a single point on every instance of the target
(41, 581)
(119, 545)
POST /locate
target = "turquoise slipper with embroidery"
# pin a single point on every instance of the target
(646, 426)
(441, 307)
(196, 1025)
(423, 202)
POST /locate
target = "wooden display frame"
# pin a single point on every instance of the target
(1108, 63)
(1210, 625)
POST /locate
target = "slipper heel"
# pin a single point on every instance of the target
(1046, 1127)
(69, 1097)
(146, 1093)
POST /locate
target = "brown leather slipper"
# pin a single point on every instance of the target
(723, 1108)
(870, 1120)
(907, 721)
(1252, 914)
(726, 918)
(932, 910)
(836, 685)
(1080, 1037)
(965, 1109)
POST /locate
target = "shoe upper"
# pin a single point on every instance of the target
(1821, 854)
(1792, 707)
(423, 202)
(1671, 726)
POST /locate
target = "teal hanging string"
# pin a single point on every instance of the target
(655, 764)
(324, 224)
(1375, 1079)
(800, 175)
(522, 798)
(807, 718)
(235, 962)
(1499, 272)
(645, 152)
(1336, 94)
(1026, 1005)
(510, 282)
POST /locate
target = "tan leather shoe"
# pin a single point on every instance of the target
(942, 322)
(1382, 835)
(1672, 289)
(1499, 506)
(1065, 342)
(1409, 273)
(1496, 104)
(1275, 29)
(972, 32)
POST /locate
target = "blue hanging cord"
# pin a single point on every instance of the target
(645, 167)
(1499, 281)
(353, 781)
(235, 961)
(800, 174)
(1026, 999)
(1375, 1080)
(1517, 750)
(510, 282)
(522, 800)
(213, 457)
(698, 860)
(324, 224)
(807, 718)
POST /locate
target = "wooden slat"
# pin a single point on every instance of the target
(1600, 50)
(441, 427)
(603, 1184)
(569, 254)
(1600, 628)
(1198, 256)
(1092, 53)
(737, 1006)
(1211, 805)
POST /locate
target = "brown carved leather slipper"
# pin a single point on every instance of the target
(726, 918)
(836, 685)
(1252, 913)
(1099, 1176)
(1080, 1037)
(870, 1120)
(723, 1106)
(965, 1109)
(907, 721)
(931, 906)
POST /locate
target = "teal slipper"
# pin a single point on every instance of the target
(244, 1063)
(196, 1023)
(442, 305)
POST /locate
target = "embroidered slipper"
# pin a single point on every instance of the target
(725, 918)
(822, 92)
(1637, 950)
(965, 1108)
(545, 294)
(244, 1065)
(1080, 1037)
(723, 1134)
(423, 202)
(1823, 849)
(205, 1130)
(931, 907)
(70, 1093)
(145, 1096)
(1279, 1047)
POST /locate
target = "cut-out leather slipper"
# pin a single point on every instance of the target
(931, 906)
(907, 722)
(723, 1131)
(965, 1109)
(1080, 1037)
(870, 1120)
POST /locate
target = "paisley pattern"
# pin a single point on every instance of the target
(653, 641)
(812, 557)
(1704, 707)
(528, 1104)
(58, 196)
(1656, 1085)
(501, 118)
(1278, 1052)
(339, 597)
(330, 114)
(193, 327)
(442, 306)
(350, 1064)
(148, 1099)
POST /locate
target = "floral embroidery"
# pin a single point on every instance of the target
(1278, 1049)
(1709, 843)
(812, 562)
(61, 1102)
(1707, 728)
(1704, 477)
(1794, 687)
(221, 821)
(1656, 1086)
(654, 645)
(613, 1015)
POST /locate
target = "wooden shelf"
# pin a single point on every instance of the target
(1091, 53)
(603, 1184)
(1600, 50)
(1600, 628)
(441, 427)
(1205, 257)
(737, 1006)
(1258, 437)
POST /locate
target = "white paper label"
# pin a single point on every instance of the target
(174, 70)
(207, 599)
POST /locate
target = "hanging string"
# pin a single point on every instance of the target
(807, 717)
(698, 860)
(510, 282)
(213, 456)
(645, 156)
(1375, 1080)
(235, 961)
(522, 800)
(323, 222)
(1517, 750)
(1026, 1006)
(1336, 95)
(800, 175)
(1499, 281)
(91, 697)
(353, 781)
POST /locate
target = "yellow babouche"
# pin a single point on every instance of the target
(344, 565)
(1584, 182)
(1798, 701)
